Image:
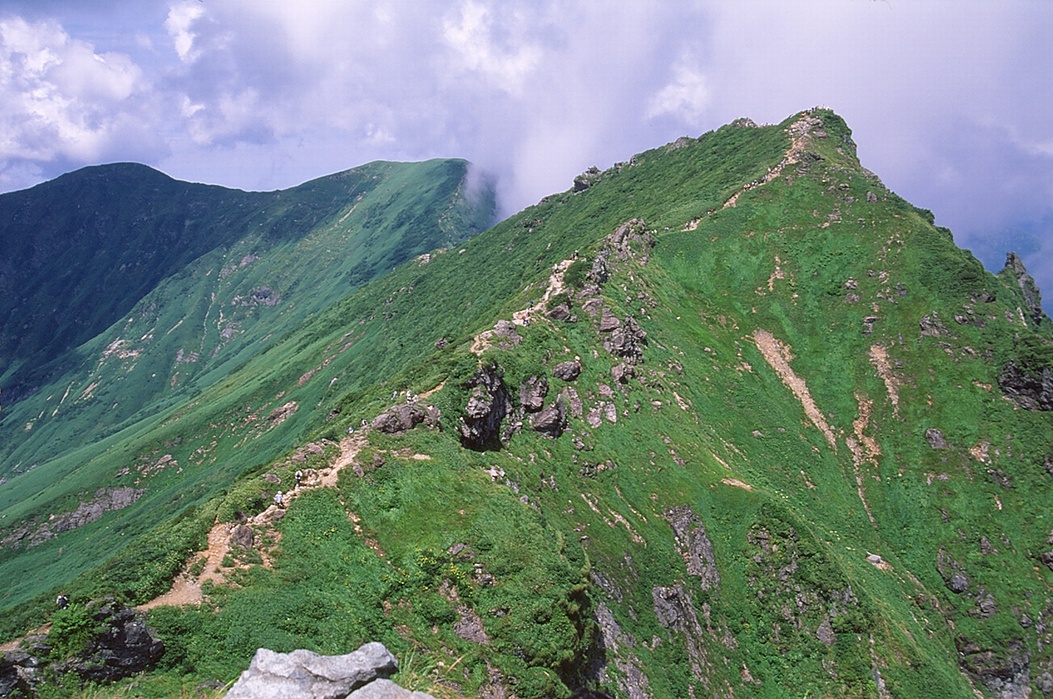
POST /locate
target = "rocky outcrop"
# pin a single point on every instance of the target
(243, 536)
(567, 371)
(936, 439)
(1004, 672)
(631, 240)
(931, 326)
(120, 647)
(551, 421)
(1014, 267)
(952, 572)
(487, 406)
(307, 675)
(400, 418)
(621, 373)
(505, 335)
(676, 611)
(1029, 390)
(693, 545)
(105, 500)
(626, 341)
(19, 674)
(532, 393)
(615, 646)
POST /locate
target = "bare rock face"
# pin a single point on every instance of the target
(307, 675)
(105, 500)
(505, 335)
(243, 536)
(676, 611)
(401, 418)
(694, 545)
(935, 438)
(18, 674)
(532, 393)
(487, 406)
(626, 341)
(617, 647)
(952, 572)
(631, 240)
(1032, 297)
(386, 689)
(122, 645)
(1028, 390)
(621, 373)
(561, 312)
(1005, 672)
(931, 326)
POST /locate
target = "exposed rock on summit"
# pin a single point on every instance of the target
(1014, 267)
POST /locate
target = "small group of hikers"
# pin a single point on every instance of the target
(279, 497)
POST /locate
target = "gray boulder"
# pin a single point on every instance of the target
(532, 393)
(386, 689)
(567, 371)
(401, 418)
(18, 674)
(242, 536)
(551, 421)
(302, 674)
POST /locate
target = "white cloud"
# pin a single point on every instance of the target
(471, 36)
(685, 98)
(180, 21)
(59, 98)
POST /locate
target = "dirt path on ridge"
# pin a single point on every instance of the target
(187, 588)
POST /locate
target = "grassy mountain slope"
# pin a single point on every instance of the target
(791, 465)
(290, 254)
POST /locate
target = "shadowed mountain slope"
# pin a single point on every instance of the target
(174, 282)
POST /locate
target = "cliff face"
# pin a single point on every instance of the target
(727, 418)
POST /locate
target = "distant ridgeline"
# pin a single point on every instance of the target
(727, 419)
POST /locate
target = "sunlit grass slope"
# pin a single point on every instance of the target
(811, 445)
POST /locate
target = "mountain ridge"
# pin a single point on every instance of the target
(782, 456)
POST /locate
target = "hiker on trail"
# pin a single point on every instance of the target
(62, 601)
(299, 477)
(278, 500)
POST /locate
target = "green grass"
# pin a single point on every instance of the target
(566, 529)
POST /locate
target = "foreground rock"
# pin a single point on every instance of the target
(303, 674)
(121, 645)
